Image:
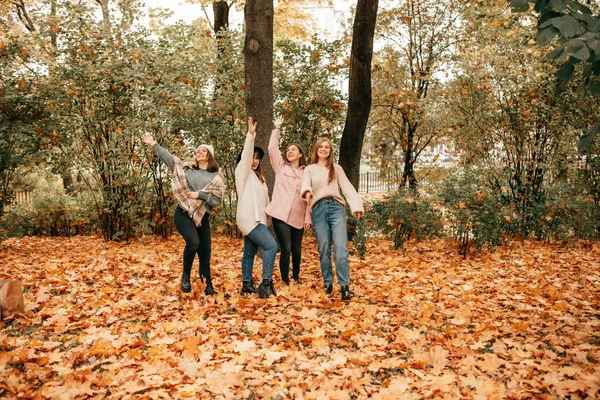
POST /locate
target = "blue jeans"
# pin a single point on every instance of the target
(260, 236)
(329, 224)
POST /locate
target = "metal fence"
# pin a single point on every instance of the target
(23, 196)
(373, 182)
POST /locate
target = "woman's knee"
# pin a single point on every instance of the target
(192, 244)
(271, 246)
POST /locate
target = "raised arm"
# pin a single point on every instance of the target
(274, 153)
(163, 153)
(244, 167)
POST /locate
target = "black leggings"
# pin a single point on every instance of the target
(290, 241)
(197, 241)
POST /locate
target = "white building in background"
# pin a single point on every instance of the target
(330, 15)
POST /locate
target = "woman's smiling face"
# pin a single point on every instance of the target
(202, 154)
(255, 160)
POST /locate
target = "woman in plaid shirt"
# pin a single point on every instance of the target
(199, 187)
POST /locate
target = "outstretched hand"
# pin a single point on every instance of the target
(278, 121)
(252, 126)
(148, 139)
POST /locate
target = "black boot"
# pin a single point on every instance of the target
(273, 288)
(248, 287)
(345, 293)
(209, 290)
(329, 289)
(265, 289)
(204, 271)
(186, 286)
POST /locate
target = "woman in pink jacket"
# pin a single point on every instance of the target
(288, 210)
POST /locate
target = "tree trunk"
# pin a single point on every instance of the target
(11, 298)
(258, 58)
(359, 96)
(408, 174)
(53, 28)
(221, 15)
(105, 17)
(24, 16)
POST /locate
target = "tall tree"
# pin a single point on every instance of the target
(576, 26)
(420, 37)
(221, 15)
(258, 59)
(47, 26)
(359, 96)
(515, 122)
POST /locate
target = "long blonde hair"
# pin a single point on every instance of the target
(329, 163)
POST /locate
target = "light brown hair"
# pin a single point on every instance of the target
(302, 160)
(212, 165)
(329, 162)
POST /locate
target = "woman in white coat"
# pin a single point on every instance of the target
(251, 218)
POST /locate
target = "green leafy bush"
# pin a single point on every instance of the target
(50, 213)
(405, 215)
(568, 213)
(475, 214)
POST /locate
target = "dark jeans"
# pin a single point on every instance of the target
(197, 241)
(290, 241)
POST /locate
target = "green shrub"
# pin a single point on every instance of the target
(568, 213)
(475, 214)
(405, 215)
(50, 213)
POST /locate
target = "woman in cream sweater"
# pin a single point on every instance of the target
(321, 186)
(251, 219)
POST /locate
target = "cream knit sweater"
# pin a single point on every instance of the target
(252, 194)
(315, 181)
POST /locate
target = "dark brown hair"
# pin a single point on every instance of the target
(212, 165)
(258, 170)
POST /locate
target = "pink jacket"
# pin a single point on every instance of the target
(286, 203)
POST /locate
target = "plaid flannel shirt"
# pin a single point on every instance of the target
(196, 208)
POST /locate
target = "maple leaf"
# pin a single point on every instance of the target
(439, 358)
(217, 382)
(426, 313)
(244, 346)
(70, 388)
(272, 356)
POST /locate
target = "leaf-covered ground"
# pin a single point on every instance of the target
(109, 320)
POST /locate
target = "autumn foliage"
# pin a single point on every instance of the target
(107, 320)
